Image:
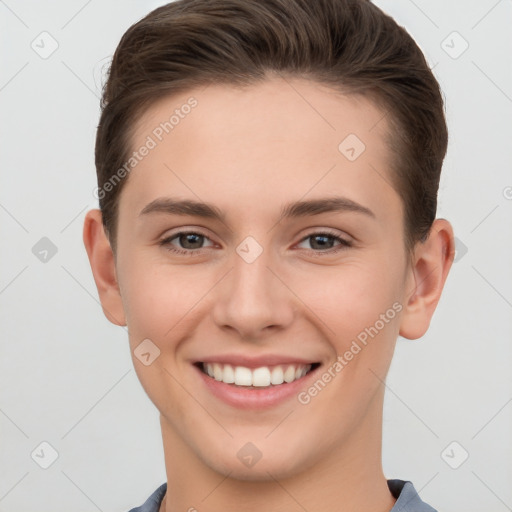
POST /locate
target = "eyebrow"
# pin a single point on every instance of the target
(171, 206)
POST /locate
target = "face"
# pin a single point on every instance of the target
(296, 264)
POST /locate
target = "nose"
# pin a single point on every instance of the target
(253, 299)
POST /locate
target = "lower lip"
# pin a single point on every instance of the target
(254, 398)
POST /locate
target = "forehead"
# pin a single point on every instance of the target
(273, 140)
(300, 106)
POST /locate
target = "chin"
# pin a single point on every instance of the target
(266, 468)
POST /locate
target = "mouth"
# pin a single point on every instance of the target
(256, 378)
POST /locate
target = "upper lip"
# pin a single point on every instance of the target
(256, 361)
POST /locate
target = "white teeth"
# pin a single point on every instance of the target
(289, 374)
(259, 377)
(217, 371)
(229, 374)
(276, 376)
(243, 376)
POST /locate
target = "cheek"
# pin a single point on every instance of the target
(350, 297)
(160, 303)
(160, 300)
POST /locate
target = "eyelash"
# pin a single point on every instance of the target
(343, 245)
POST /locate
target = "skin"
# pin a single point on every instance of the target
(249, 151)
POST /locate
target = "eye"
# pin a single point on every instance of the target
(324, 241)
(191, 241)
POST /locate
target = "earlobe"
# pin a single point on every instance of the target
(101, 259)
(432, 262)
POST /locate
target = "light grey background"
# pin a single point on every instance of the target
(66, 375)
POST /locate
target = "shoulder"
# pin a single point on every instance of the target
(407, 498)
(152, 504)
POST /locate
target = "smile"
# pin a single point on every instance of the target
(264, 376)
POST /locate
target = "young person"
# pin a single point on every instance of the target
(267, 177)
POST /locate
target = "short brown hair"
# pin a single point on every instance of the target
(349, 45)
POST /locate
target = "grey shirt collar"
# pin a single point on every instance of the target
(407, 499)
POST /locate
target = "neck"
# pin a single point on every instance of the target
(347, 479)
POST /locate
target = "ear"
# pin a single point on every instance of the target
(102, 263)
(430, 266)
